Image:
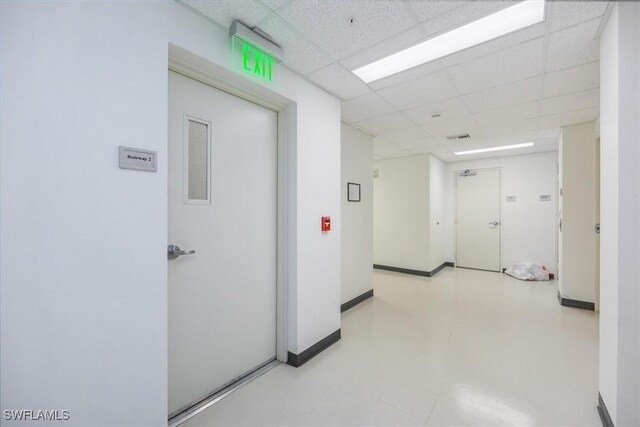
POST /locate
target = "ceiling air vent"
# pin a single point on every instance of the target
(459, 137)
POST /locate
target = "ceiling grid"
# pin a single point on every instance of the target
(521, 87)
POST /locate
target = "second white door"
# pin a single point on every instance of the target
(478, 220)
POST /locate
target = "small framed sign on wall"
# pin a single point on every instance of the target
(353, 192)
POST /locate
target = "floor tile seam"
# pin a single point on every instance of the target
(433, 407)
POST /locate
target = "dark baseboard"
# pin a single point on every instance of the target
(402, 270)
(584, 305)
(551, 275)
(604, 413)
(355, 301)
(413, 272)
(440, 267)
(297, 360)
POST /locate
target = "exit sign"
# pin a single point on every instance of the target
(254, 62)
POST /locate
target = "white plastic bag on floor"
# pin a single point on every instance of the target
(527, 271)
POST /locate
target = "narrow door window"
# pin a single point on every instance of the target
(197, 156)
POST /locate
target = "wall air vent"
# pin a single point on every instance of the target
(459, 137)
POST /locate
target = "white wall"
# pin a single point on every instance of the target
(629, 217)
(356, 217)
(317, 283)
(577, 279)
(83, 243)
(437, 202)
(619, 374)
(401, 213)
(528, 225)
(609, 63)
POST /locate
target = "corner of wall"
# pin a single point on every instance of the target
(357, 216)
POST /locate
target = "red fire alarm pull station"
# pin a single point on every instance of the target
(326, 223)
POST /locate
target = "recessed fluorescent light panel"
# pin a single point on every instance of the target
(508, 20)
(486, 150)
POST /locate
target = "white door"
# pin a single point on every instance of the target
(478, 220)
(222, 205)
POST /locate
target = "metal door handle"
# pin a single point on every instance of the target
(494, 223)
(173, 252)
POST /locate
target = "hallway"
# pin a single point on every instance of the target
(462, 348)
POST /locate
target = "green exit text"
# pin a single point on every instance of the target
(257, 62)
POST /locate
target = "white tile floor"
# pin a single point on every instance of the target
(463, 348)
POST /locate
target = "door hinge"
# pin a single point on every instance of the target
(598, 228)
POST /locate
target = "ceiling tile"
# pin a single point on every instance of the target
(446, 156)
(365, 107)
(328, 22)
(495, 45)
(511, 138)
(562, 14)
(516, 63)
(569, 118)
(385, 149)
(457, 126)
(428, 9)
(386, 47)
(387, 123)
(424, 90)
(274, 4)
(505, 115)
(397, 154)
(573, 79)
(379, 143)
(509, 128)
(437, 148)
(448, 109)
(299, 53)
(573, 101)
(505, 95)
(337, 79)
(551, 133)
(423, 145)
(468, 12)
(405, 76)
(573, 46)
(403, 135)
(250, 12)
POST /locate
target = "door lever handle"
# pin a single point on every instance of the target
(494, 223)
(173, 252)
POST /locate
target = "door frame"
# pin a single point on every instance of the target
(190, 65)
(456, 173)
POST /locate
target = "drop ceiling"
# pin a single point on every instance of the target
(521, 87)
